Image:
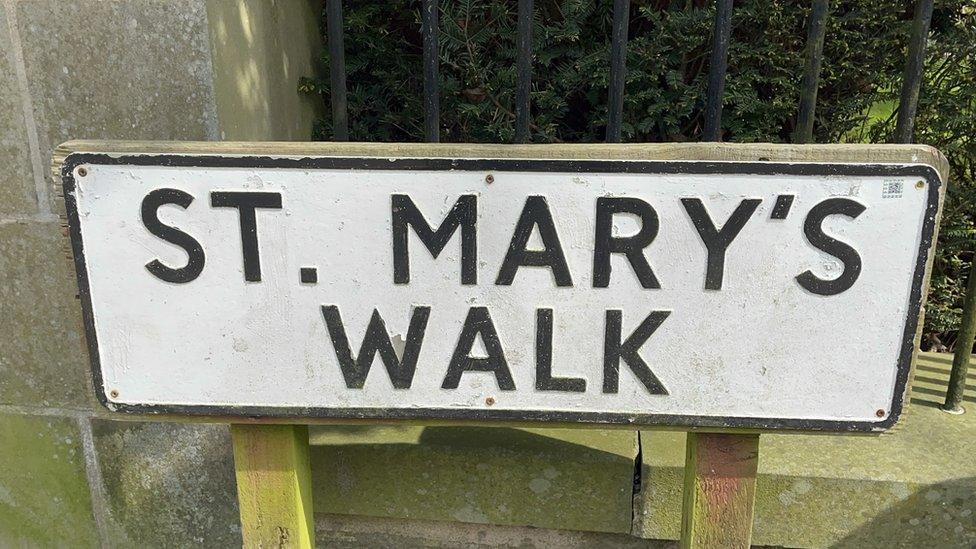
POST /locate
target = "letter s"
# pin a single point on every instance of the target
(812, 228)
(194, 252)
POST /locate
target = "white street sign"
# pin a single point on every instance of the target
(711, 294)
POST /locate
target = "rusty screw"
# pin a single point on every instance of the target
(490, 401)
(113, 393)
(82, 172)
(489, 179)
(880, 413)
(919, 184)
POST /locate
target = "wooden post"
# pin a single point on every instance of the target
(274, 485)
(719, 490)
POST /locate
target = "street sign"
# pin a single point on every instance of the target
(758, 295)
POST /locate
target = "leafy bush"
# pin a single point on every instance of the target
(667, 63)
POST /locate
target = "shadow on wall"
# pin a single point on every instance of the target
(485, 475)
(941, 515)
(931, 381)
(500, 438)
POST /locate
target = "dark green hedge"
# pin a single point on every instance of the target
(667, 62)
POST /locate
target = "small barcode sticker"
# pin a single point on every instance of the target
(892, 189)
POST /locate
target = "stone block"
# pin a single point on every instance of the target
(547, 478)
(118, 70)
(168, 484)
(42, 361)
(44, 496)
(17, 189)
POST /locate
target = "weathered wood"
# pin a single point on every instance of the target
(743, 152)
(274, 486)
(719, 490)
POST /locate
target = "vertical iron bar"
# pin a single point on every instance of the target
(618, 69)
(914, 66)
(337, 71)
(523, 67)
(964, 346)
(816, 29)
(432, 107)
(717, 65)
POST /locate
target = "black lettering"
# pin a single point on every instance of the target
(812, 228)
(478, 322)
(246, 202)
(717, 240)
(782, 207)
(614, 351)
(377, 340)
(544, 381)
(463, 214)
(194, 252)
(535, 213)
(631, 246)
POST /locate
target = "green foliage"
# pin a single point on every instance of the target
(946, 118)
(667, 62)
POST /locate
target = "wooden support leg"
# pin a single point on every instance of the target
(274, 485)
(719, 490)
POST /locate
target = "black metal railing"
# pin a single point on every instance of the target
(816, 30)
(718, 62)
(715, 91)
(337, 71)
(717, 65)
(523, 70)
(914, 66)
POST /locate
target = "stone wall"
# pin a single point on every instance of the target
(134, 69)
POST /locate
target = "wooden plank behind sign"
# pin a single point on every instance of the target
(772, 153)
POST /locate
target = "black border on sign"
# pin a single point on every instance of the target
(657, 167)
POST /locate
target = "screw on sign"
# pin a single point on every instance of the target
(302, 284)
